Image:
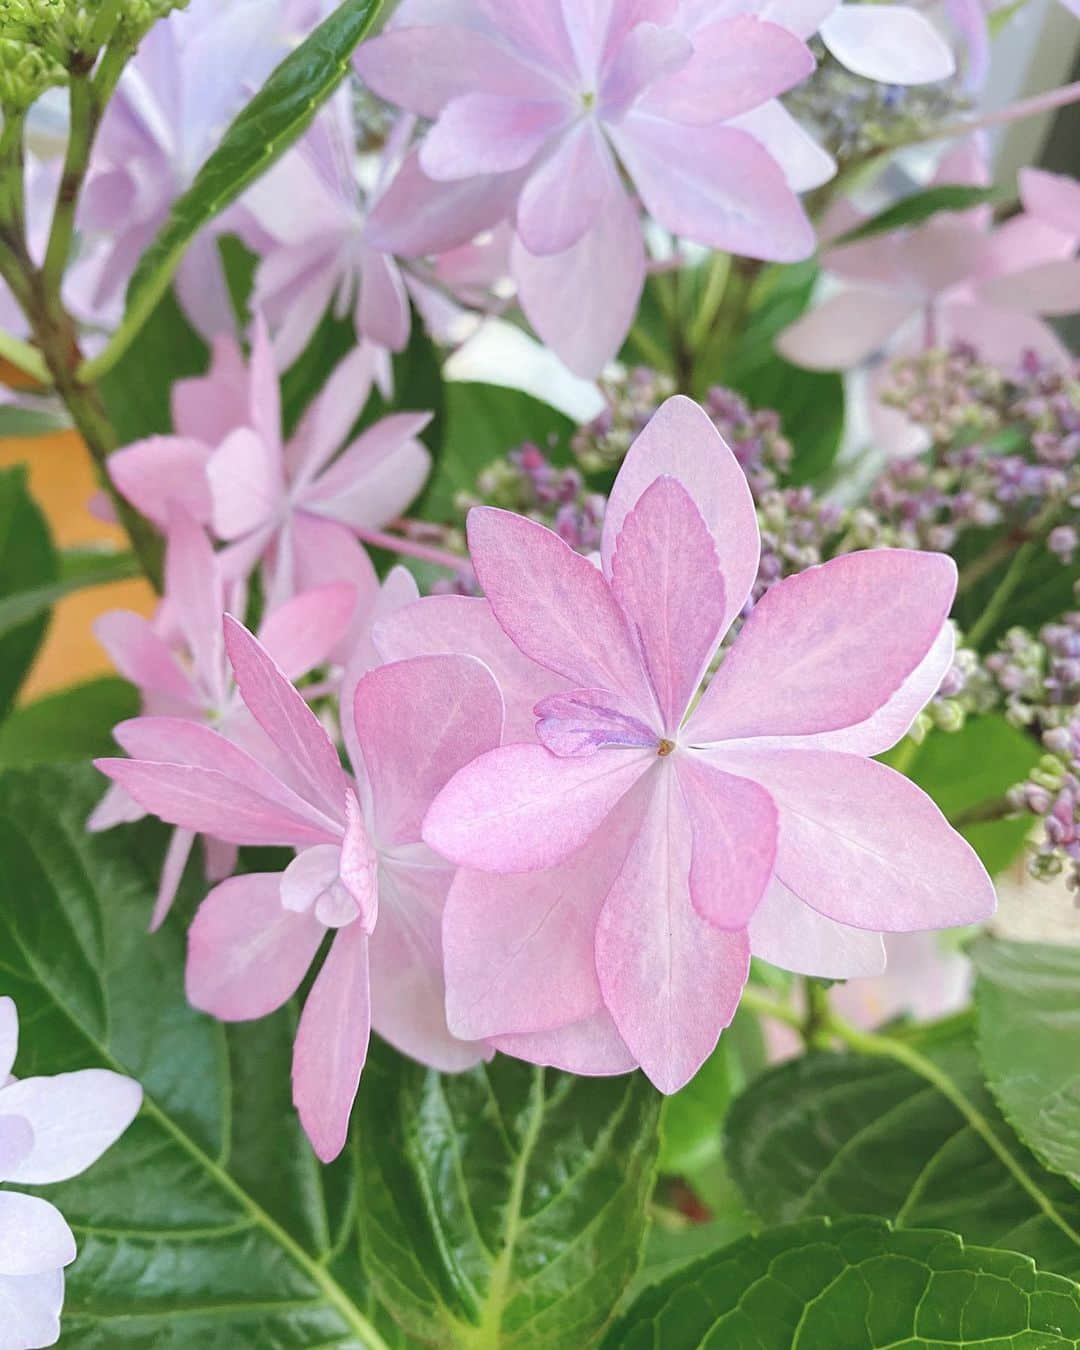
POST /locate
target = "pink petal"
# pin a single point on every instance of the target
(16, 1141)
(75, 1117)
(584, 720)
(520, 808)
(264, 390)
(1049, 288)
(115, 808)
(554, 604)
(1003, 336)
(519, 950)
(592, 1046)
(219, 858)
(285, 717)
(863, 845)
(302, 633)
(172, 872)
(329, 417)
(582, 302)
(246, 953)
(246, 484)
(34, 1236)
(164, 470)
(141, 656)
(647, 54)
(738, 63)
(845, 329)
(331, 1043)
(9, 1036)
(382, 313)
(1053, 197)
(791, 935)
(670, 980)
(377, 477)
(893, 44)
(565, 195)
(487, 133)
(461, 624)
(715, 186)
(1022, 242)
(828, 647)
(328, 553)
(196, 597)
(682, 442)
(417, 723)
(666, 577)
(408, 994)
(804, 163)
(733, 825)
(207, 407)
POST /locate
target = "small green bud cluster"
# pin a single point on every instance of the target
(70, 33)
(26, 72)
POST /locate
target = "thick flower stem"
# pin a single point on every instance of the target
(409, 548)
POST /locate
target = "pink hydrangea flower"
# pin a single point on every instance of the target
(539, 108)
(51, 1129)
(627, 860)
(178, 665)
(298, 505)
(361, 869)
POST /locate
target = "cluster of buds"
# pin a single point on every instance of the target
(67, 33)
(26, 72)
(527, 482)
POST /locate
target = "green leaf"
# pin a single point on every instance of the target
(968, 768)
(276, 117)
(918, 207)
(80, 569)
(503, 1207)
(27, 564)
(28, 422)
(209, 1226)
(1028, 1002)
(72, 725)
(838, 1135)
(857, 1284)
(483, 422)
(137, 390)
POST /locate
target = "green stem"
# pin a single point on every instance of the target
(815, 1023)
(713, 298)
(765, 1006)
(994, 608)
(994, 808)
(25, 356)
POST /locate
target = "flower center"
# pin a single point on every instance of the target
(664, 748)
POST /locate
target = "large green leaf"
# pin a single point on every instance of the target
(27, 564)
(210, 1224)
(917, 207)
(838, 1135)
(853, 1285)
(969, 768)
(62, 728)
(504, 1207)
(1028, 1001)
(278, 114)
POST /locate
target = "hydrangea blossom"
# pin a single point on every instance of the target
(178, 665)
(361, 870)
(664, 838)
(51, 1129)
(291, 504)
(537, 110)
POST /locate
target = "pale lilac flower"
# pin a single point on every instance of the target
(361, 869)
(661, 839)
(177, 662)
(51, 1129)
(538, 110)
(297, 506)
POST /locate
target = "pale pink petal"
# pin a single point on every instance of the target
(805, 164)
(521, 808)
(487, 133)
(331, 1043)
(34, 1236)
(863, 845)
(682, 442)
(715, 186)
(582, 302)
(738, 63)
(30, 1307)
(547, 598)
(826, 648)
(592, 1046)
(377, 477)
(1022, 242)
(584, 720)
(219, 858)
(164, 470)
(666, 577)
(141, 656)
(791, 935)
(196, 595)
(845, 329)
(16, 1142)
(462, 624)
(115, 808)
(264, 388)
(519, 950)
(172, 872)
(246, 484)
(328, 553)
(648, 53)
(246, 953)
(1053, 197)
(1049, 288)
(565, 195)
(286, 718)
(9, 1036)
(408, 994)
(302, 633)
(207, 407)
(670, 980)
(417, 723)
(329, 417)
(382, 312)
(310, 873)
(946, 251)
(540, 32)
(1001, 336)
(397, 592)
(733, 826)
(894, 44)
(75, 1117)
